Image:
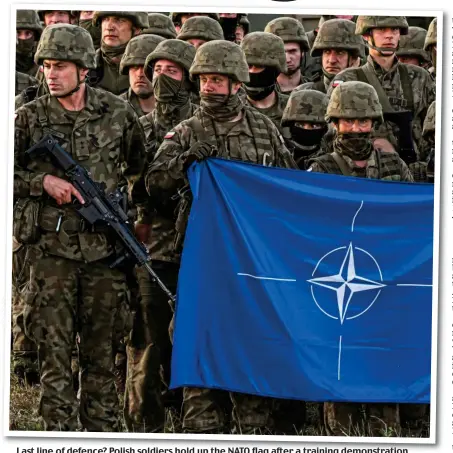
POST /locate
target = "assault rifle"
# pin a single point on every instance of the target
(405, 140)
(99, 208)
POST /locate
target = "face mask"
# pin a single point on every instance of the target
(261, 84)
(26, 47)
(222, 107)
(95, 32)
(229, 25)
(357, 145)
(112, 52)
(307, 137)
(170, 94)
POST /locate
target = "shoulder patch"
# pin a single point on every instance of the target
(335, 83)
(169, 134)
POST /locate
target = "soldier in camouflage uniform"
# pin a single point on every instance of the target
(52, 17)
(72, 289)
(117, 29)
(353, 108)
(296, 46)
(431, 45)
(23, 81)
(28, 30)
(140, 94)
(161, 25)
(405, 91)
(265, 54)
(178, 19)
(222, 127)
(410, 49)
(235, 26)
(200, 29)
(304, 116)
(85, 20)
(338, 47)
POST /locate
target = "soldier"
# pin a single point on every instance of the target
(178, 19)
(117, 29)
(140, 94)
(224, 127)
(410, 49)
(405, 91)
(304, 116)
(150, 347)
(429, 136)
(200, 29)
(296, 45)
(161, 25)
(235, 26)
(338, 47)
(265, 54)
(353, 108)
(431, 45)
(85, 20)
(72, 288)
(23, 81)
(28, 31)
(55, 17)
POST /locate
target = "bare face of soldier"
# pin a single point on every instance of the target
(62, 76)
(384, 38)
(239, 33)
(117, 31)
(335, 60)
(86, 15)
(139, 83)
(293, 57)
(409, 60)
(169, 68)
(308, 125)
(196, 42)
(217, 84)
(354, 125)
(25, 34)
(57, 17)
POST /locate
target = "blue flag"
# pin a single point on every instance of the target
(305, 286)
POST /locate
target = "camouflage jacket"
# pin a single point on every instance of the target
(105, 137)
(321, 85)
(24, 81)
(108, 76)
(161, 243)
(380, 165)
(423, 91)
(275, 111)
(302, 80)
(254, 138)
(132, 98)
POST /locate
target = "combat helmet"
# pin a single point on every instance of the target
(176, 17)
(366, 23)
(137, 49)
(337, 34)
(352, 100)
(221, 57)
(429, 125)
(180, 52)
(412, 44)
(68, 43)
(431, 36)
(305, 106)
(264, 49)
(289, 30)
(27, 19)
(160, 24)
(42, 12)
(138, 18)
(201, 27)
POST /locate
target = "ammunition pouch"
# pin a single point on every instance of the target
(26, 217)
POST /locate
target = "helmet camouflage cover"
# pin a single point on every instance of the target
(352, 100)
(67, 43)
(305, 105)
(201, 27)
(180, 52)
(221, 57)
(27, 19)
(176, 17)
(289, 30)
(429, 125)
(337, 34)
(137, 49)
(160, 24)
(431, 36)
(264, 49)
(366, 23)
(138, 18)
(411, 45)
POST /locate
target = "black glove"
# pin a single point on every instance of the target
(198, 152)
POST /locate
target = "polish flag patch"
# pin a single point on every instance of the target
(169, 134)
(335, 83)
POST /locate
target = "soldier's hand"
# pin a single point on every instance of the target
(198, 152)
(61, 190)
(142, 232)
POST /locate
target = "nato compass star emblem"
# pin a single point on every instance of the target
(347, 283)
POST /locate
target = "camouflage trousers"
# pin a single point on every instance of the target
(149, 352)
(23, 349)
(66, 298)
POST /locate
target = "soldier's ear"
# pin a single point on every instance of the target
(235, 87)
(83, 72)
